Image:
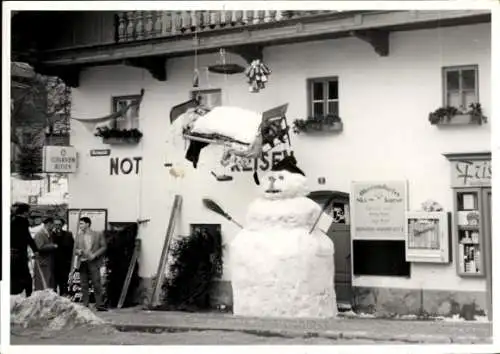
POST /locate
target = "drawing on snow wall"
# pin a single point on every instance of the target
(99, 219)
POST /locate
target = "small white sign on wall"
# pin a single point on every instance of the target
(378, 210)
(59, 159)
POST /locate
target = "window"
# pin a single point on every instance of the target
(208, 98)
(323, 96)
(130, 120)
(460, 86)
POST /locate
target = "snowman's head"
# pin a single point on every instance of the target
(285, 180)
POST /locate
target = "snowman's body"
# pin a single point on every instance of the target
(279, 269)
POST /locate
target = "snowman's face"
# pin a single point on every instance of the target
(283, 184)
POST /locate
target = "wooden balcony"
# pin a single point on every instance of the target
(143, 25)
(68, 42)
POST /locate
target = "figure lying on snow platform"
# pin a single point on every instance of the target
(279, 267)
(245, 134)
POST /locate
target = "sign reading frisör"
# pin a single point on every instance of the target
(59, 159)
(378, 210)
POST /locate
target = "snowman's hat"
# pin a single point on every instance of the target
(289, 164)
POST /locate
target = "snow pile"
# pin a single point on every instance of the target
(233, 122)
(50, 311)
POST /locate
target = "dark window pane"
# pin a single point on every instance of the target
(333, 90)
(318, 91)
(452, 78)
(469, 79)
(333, 107)
(318, 109)
(380, 258)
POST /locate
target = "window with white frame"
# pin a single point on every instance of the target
(208, 98)
(323, 96)
(130, 120)
(460, 84)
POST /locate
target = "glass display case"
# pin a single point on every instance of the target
(469, 231)
(427, 237)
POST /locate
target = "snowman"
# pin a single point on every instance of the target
(279, 267)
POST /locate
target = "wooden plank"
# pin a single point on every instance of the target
(130, 272)
(160, 273)
(267, 34)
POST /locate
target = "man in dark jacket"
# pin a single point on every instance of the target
(63, 255)
(20, 239)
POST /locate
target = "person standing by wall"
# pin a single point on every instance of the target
(91, 247)
(63, 255)
(20, 239)
(44, 271)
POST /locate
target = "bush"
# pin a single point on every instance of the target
(197, 261)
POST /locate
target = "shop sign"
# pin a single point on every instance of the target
(471, 173)
(378, 210)
(59, 159)
(267, 160)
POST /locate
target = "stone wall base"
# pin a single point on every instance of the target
(383, 302)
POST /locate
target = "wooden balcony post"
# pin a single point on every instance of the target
(148, 28)
(122, 27)
(261, 15)
(250, 17)
(157, 27)
(238, 17)
(130, 25)
(177, 22)
(272, 15)
(139, 29)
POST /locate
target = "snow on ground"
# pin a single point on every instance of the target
(45, 309)
(454, 318)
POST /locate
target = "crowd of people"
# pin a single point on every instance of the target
(57, 254)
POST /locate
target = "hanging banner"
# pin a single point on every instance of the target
(378, 210)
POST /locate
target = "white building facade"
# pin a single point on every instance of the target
(384, 103)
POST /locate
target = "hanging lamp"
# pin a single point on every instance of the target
(225, 68)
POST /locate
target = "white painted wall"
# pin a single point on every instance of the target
(384, 103)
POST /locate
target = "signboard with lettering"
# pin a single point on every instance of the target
(264, 163)
(100, 152)
(471, 173)
(378, 210)
(124, 166)
(59, 159)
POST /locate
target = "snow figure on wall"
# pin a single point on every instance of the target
(279, 267)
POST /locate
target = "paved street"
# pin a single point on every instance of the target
(153, 328)
(97, 337)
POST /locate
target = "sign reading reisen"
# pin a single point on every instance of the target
(59, 159)
(378, 210)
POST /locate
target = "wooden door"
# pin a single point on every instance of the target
(340, 233)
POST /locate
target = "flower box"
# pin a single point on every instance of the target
(121, 141)
(326, 124)
(113, 136)
(454, 116)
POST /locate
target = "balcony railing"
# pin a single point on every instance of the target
(140, 25)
